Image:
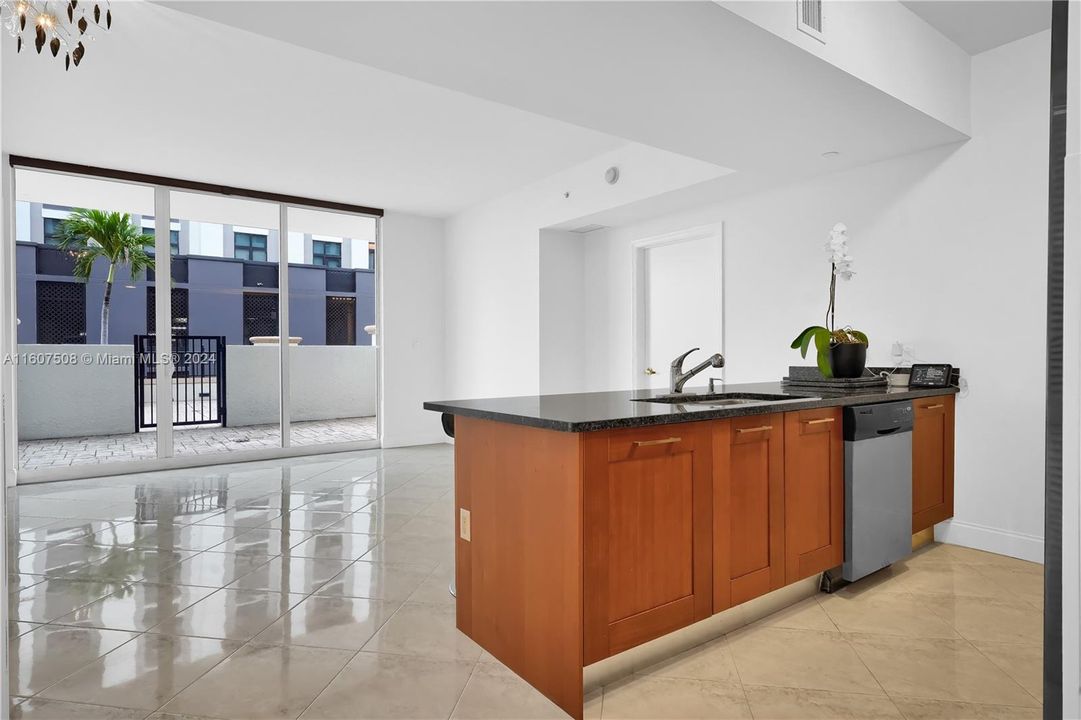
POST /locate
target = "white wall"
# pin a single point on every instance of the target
(493, 263)
(59, 399)
(411, 255)
(950, 250)
(327, 382)
(562, 297)
(884, 44)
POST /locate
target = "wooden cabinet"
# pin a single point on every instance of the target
(748, 508)
(647, 534)
(814, 492)
(932, 461)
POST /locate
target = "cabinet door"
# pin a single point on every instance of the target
(814, 492)
(932, 461)
(748, 508)
(646, 534)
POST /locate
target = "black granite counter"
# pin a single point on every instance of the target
(583, 412)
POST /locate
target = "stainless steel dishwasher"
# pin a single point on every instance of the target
(878, 487)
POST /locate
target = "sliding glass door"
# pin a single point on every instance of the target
(225, 328)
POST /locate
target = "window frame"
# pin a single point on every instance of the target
(249, 246)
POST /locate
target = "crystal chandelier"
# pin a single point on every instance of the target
(60, 26)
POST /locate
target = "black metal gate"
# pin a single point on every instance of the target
(198, 380)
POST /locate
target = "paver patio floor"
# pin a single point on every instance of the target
(60, 452)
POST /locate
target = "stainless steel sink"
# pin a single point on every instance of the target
(719, 399)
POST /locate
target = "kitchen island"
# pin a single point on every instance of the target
(588, 524)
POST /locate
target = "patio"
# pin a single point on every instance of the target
(61, 452)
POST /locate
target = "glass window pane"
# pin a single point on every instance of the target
(332, 374)
(233, 315)
(78, 407)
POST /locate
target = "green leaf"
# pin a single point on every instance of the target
(822, 344)
(861, 337)
(803, 340)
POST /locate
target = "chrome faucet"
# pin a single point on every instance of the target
(680, 378)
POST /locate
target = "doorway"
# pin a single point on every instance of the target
(678, 302)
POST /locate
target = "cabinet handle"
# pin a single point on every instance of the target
(933, 407)
(760, 428)
(819, 422)
(665, 441)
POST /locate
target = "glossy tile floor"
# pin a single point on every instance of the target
(317, 588)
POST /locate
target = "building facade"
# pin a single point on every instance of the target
(225, 282)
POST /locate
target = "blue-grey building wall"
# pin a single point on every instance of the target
(215, 299)
(308, 305)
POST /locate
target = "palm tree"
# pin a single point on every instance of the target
(93, 234)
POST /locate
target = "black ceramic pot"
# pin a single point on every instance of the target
(848, 360)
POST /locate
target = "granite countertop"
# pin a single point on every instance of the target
(583, 412)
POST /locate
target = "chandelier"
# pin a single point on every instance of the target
(60, 26)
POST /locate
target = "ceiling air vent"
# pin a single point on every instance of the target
(587, 229)
(809, 18)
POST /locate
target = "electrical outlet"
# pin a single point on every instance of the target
(897, 351)
(463, 524)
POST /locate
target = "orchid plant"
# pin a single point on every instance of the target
(827, 336)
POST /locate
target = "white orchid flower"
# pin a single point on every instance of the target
(837, 248)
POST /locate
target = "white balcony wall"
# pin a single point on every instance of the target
(97, 397)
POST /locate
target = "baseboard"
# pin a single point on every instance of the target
(981, 537)
(391, 441)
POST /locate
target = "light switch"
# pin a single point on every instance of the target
(463, 524)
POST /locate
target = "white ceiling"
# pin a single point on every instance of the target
(688, 77)
(170, 94)
(979, 25)
(432, 107)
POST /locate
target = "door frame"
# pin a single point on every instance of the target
(639, 285)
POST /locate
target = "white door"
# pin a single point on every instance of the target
(679, 304)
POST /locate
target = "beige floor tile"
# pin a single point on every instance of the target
(800, 658)
(495, 692)
(212, 569)
(269, 542)
(937, 669)
(1000, 619)
(426, 551)
(886, 614)
(379, 581)
(50, 653)
(777, 703)
(425, 526)
(1020, 584)
(291, 575)
(673, 698)
(370, 522)
(230, 614)
(923, 709)
(593, 704)
(436, 587)
(145, 673)
(425, 629)
(804, 615)
(330, 622)
(138, 606)
(1024, 663)
(336, 545)
(971, 556)
(375, 685)
(55, 597)
(712, 661)
(262, 681)
(946, 579)
(40, 709)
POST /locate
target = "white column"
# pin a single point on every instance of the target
(163, 322)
